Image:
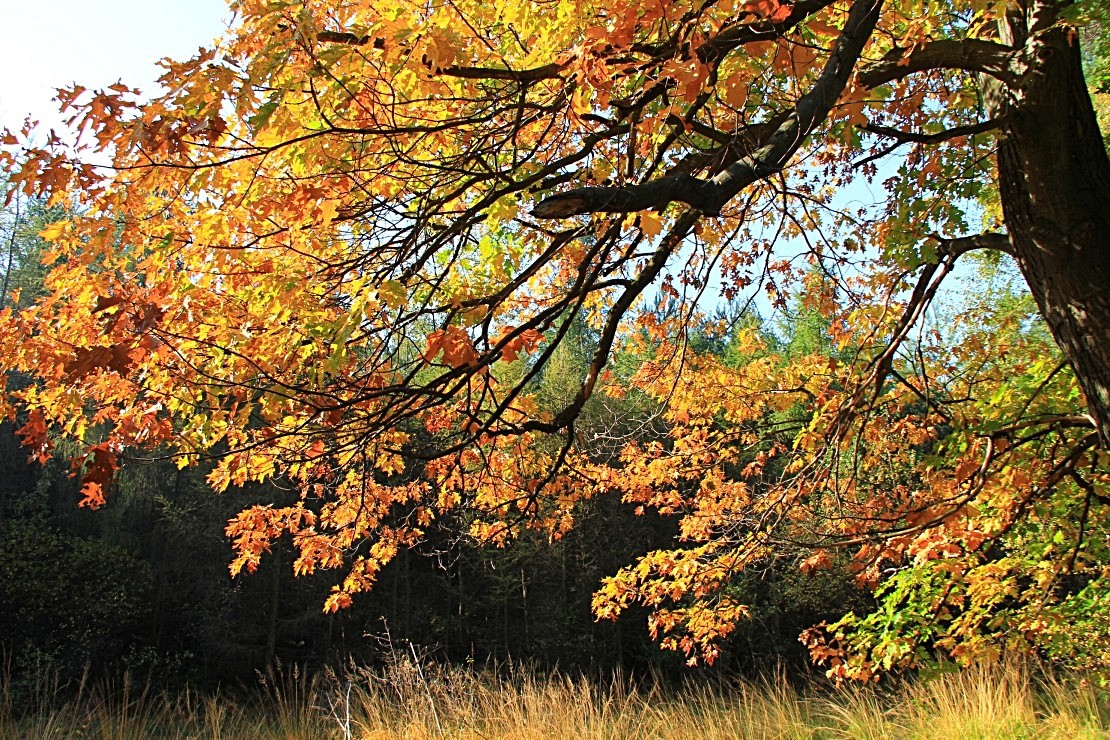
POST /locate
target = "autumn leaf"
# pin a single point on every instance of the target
(651, 224)
(454, 344)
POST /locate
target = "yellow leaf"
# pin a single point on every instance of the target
(328, 209)
(393, 293)
(54, 230)
(651, 224)
(503, 210)
(735, 93)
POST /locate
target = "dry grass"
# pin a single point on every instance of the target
(411, 699)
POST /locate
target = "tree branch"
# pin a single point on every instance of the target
(911, 137)
(916, 137)
(655, 194)
(737, 35)
(543, 72)
(921, 297)
(971, 55)
(988, 240)
(350, 39)
(709, 196)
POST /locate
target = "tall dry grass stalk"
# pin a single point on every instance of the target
(412, 699)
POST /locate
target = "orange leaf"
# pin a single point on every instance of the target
(650, 224)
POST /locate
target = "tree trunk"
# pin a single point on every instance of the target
(275, 608)
(1054, 177)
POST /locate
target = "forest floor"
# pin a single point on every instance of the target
(410, 700)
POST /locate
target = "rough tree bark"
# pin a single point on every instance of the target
(1054, 180)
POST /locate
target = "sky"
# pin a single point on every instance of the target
(48, 44)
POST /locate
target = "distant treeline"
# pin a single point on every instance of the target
(142, 585)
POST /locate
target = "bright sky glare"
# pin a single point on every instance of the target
(53, 43)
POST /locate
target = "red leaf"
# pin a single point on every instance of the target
(33, 435)
(92, 495)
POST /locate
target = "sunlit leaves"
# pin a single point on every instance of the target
(316, 262)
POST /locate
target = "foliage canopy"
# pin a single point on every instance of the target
(339, 250)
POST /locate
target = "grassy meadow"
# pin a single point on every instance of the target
(415, 700)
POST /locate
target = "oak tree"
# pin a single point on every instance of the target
(338, 249)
